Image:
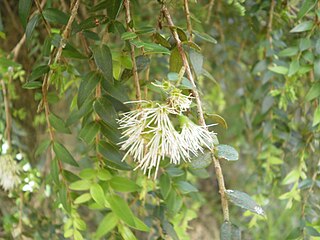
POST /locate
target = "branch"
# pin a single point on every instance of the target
(46, 24)
(209, 11)
(187, 12)
(7, 111)
(269, 26)
(218, 170)
(126, 4)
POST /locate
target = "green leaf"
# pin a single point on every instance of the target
(89, 132)
(230, 231)
(157, 37)
(83, 198)
(88, 173)
(173, 202)
(291, 177)
(31, 26)
(63, 198)
(227, 152)
(126, 233)
(279, 69)
(54, 15)
(58, 124)
(196, 61)
(316, 117)
(79, 224)
(305, 43)
(121, 209)
(113, 8)
(216, 118)
(128, 35)
(38, 72)
(77, 235)
(85, 109)
(306, 7)
(103, 59)
(63, 154)
(122, 184)
(43, 146)
(243, 200)
(288, 52)
(174, 172)
(316, 69)
(104, 108)
(55, 171)
(112, 156)
(71, 52)
(169, 230)
(302, 27)
(104, 174)
(205, 37)
(203, 160)
(80, 185)
(186, 187)
(311, 231)
(294, 67)
(150, 47)
(314, 91)
(175, 61)
(97, 194)
(106, 225)
(24, 11)
(91, 22)
(165, 185)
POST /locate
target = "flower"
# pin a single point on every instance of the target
(179, 101)
(197, 137)
(151, 137)
(9, 172)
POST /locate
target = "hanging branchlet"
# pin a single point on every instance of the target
(218, 170)
(126, 4)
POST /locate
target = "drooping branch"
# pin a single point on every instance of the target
(217, 166)
(187, 12)
(126, 4)
(6, 102)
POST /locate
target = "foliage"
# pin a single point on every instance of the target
(254, 62)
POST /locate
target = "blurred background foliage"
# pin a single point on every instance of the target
(257, 65)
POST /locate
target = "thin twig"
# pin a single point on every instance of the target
(187, 12)
(270, 21)
(7, 111)
(46, 24)
(45, 87)
(67, 30)
(209, 11)
(126, 4)
(218, 170)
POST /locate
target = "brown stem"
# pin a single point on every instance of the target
(218, 170)
(187, 12)
(67, 30)
(209, 11)
(6, 101)
(269, 26)
(45, 87)
(46, 24)
(126, 4)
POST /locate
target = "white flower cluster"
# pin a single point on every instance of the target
(9, 172)
(150, 135)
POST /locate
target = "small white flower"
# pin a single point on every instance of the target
(179, 101)
(151, 137)
(9, 172)
(197, 137)
(259, 210)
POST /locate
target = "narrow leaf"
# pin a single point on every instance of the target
(63, 154)
(243, 200)
(103, 59)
